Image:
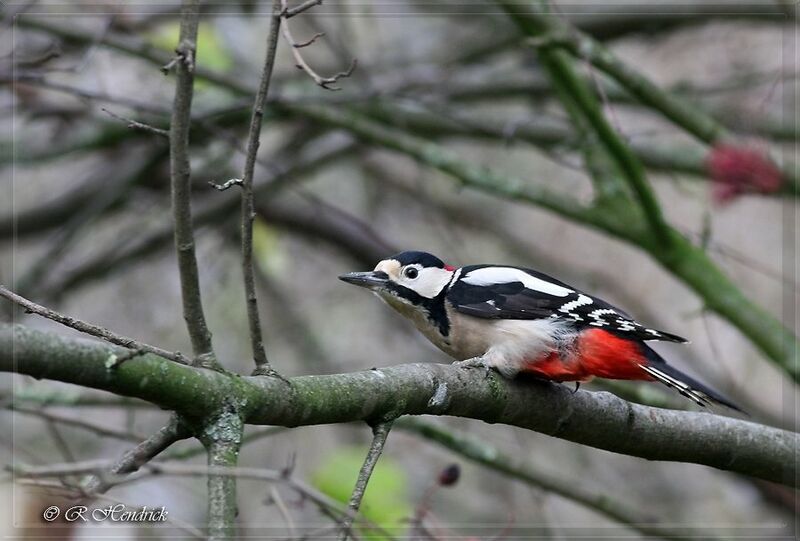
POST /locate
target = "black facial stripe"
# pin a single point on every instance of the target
(434, 307)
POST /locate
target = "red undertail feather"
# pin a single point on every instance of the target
(599, 353)
(596, 353)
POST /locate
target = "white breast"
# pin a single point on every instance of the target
(505, 344)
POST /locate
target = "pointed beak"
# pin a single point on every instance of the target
(370, 279)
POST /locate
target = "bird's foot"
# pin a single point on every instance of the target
(475, 362)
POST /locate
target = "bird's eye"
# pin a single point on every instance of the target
(411, 273)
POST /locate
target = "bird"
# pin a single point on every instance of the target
(517, 320)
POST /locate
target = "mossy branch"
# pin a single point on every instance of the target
(599, 420)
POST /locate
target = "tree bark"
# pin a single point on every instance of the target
(599, 420)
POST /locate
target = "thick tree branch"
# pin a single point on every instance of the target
(599, 420)
(248, 210)
(180, 174)
(222, 438)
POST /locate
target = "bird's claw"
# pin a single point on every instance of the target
(475, 362)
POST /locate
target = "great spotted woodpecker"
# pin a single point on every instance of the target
(516, 320)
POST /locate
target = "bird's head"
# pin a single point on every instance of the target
(408, 277)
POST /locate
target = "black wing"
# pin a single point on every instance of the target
(493, 292)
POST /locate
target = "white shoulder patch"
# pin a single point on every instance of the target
(488, 276)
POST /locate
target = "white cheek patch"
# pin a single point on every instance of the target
(504, 275)
(429, 283)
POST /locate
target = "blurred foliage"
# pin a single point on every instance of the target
(267, 251)
(385, 502)
(211, 52)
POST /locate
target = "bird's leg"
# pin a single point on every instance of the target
(577, 386)
(475, 362)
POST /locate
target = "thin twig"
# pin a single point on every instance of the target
(309, 41)
(136, 125)
(88, 328)
(140, 455)
(380, 432)
(324, 82)
(248, 211)
(180, 174)
(78, 423)
(582, 105)
(277, 499)
(288, 13)
(225, 185)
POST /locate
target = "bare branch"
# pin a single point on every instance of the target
(308, 42)
(135, 458)
(227, 184)
(248, 209)
(599, 420)
(102, 431)
(90, 329)
(222, 438)
(180, 174)
(288, 13)
(380, 432)
(325, 82)
(136, 125)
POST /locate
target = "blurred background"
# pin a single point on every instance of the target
(85, 228)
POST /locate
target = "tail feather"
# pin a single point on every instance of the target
(689, 387)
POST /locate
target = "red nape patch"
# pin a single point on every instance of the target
(449, 268)
(597, 353)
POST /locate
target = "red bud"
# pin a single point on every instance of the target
(739, 169)
(449, 476)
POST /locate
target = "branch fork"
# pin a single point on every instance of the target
(324, 82)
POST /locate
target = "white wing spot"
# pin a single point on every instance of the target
(625, 325)
(572, 305)
(504, 275)
(598, 314)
